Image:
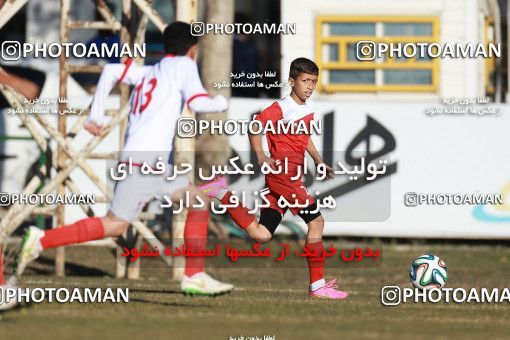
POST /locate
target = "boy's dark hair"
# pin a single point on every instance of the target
(178, 39)
(303, 65)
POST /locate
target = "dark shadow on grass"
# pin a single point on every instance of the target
(154, 291)
(167, 304)
(15, 309)
(72, 269)
(169, 291)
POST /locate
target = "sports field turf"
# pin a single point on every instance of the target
(266, 301)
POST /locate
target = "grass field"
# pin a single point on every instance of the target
(267, 301)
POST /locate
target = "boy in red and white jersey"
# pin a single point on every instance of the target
(295, 108)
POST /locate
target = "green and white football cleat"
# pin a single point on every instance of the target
(203, 284)
(30, 249)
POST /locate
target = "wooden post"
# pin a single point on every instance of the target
(62, 127)
(187, 11)
(138, 37)
(2, 280)
(125, 38)
(9, 9)
(216, 66)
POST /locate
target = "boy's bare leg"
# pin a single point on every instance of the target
(258, 232)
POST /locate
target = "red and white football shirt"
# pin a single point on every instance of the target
(290, 146)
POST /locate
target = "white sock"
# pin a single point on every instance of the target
(317, 285)
(199, 274)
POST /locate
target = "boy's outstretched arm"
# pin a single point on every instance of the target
(194, 93)
(317, 159)
(206, 104)
(110, 76)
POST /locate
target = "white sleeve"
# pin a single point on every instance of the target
(195, 95)
(191, 85)
(204, 104)
(112, 74)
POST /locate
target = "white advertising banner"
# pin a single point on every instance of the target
(447, 167)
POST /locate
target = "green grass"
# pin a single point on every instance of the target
(267, 301)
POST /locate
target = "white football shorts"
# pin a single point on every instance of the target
(136, 190)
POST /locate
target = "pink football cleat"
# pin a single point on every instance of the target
(328, 291)
(212, 188)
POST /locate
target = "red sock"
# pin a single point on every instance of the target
(2, 280)
(84, 230)
(315, 263)
(195, 237)
(240, 215)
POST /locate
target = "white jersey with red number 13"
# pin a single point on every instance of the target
(159, 94)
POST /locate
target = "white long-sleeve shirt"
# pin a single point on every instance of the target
(159, 94)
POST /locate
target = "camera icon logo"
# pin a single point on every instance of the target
(411, 199)
(5, 199)
(197, 28)
(11, 50)
(365, 50)
(390, 295)
(187, 128)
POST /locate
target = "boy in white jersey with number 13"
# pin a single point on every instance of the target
(160, 92)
